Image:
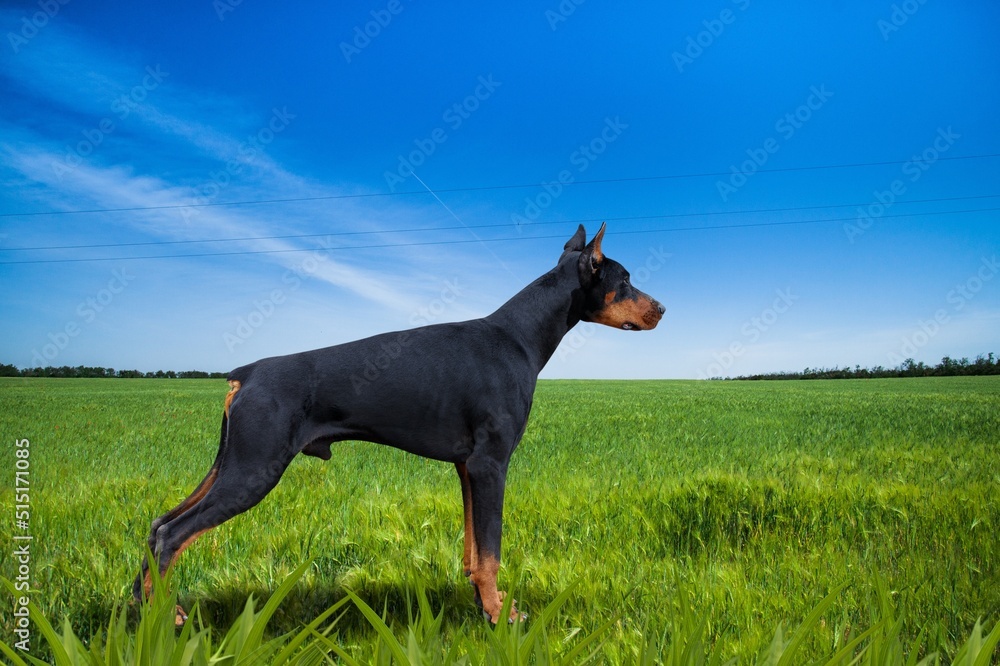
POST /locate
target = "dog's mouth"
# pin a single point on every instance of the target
(646, 322)
(628, 316)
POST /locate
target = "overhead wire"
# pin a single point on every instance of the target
(482, 187)
(483, 226)
(487, 240)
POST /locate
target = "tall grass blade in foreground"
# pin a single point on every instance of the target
(156, 641)
(427, 640)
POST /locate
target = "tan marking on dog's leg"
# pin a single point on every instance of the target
(194, 497)
(178, 511)
(181, 615)
(485, 580)
(147, 582)
(470, 551)
(183, 546)
(234, 386)
(202, 490)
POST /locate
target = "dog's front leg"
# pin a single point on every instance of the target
(486, 485)
(469, 552)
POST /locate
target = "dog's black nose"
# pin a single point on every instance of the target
(659, 306)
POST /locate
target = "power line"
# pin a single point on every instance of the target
(484, 226)
(480, 188)
(488, 240)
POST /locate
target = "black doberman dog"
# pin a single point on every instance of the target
(457, 392)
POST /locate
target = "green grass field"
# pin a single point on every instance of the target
(755, 499)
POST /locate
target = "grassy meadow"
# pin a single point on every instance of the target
(745, 503)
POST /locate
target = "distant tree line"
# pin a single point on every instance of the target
(7, 370)
(948, 367)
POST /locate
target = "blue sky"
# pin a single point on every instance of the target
(397, 127)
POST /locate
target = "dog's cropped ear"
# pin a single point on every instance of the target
(592, 258)
(577, 242)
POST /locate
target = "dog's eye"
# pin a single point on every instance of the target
(626, 280)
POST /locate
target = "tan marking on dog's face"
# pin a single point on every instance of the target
(610, 296)
(633, 315)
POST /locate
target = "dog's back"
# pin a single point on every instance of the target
(426, 390)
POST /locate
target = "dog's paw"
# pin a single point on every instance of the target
(515, 615)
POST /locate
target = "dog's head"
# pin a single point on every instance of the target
(608, 296)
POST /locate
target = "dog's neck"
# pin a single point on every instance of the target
(542, 313)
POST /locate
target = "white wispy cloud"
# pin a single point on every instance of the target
(71, 78)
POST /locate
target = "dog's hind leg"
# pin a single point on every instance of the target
(241, 483)
(142, 582)
(253, 455)
(196, 494)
